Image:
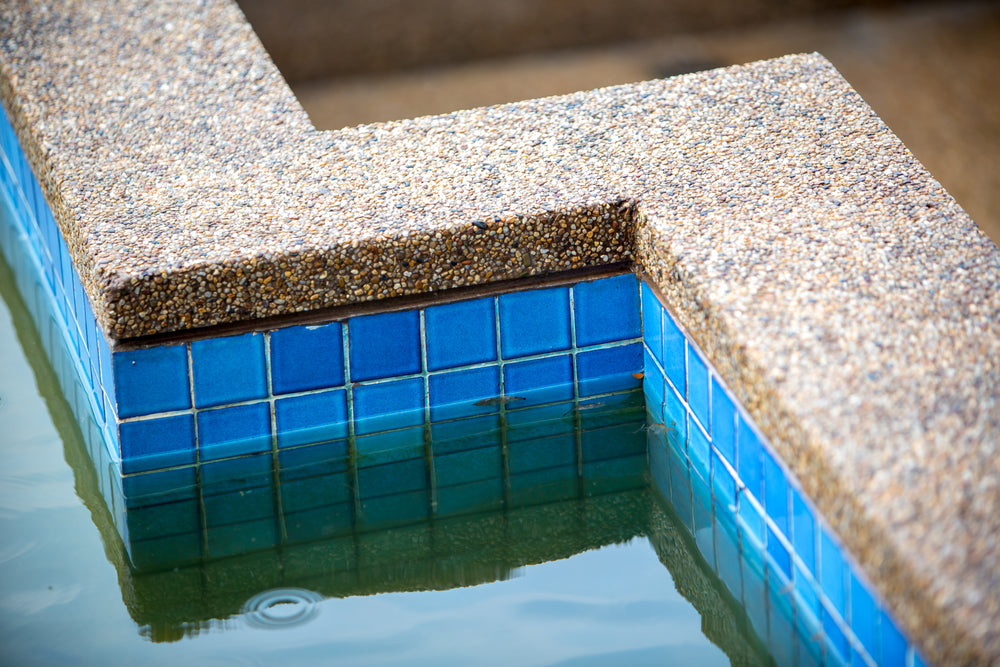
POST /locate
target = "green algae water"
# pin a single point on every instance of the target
(594, 570)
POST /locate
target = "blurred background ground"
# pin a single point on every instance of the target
(931, 70)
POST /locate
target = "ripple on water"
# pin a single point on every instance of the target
(281, 608)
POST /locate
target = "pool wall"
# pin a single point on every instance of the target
(850, 304)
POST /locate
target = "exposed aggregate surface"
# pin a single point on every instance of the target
(848, 301)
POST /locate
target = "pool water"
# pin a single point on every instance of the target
(589, 566)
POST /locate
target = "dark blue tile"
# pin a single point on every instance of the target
(159, 486)
(533, 322)
(698, 386)
(165, 552)
(311, 418)
(750, 460)
(779, 554)
(609, 369)
(228, 370)
(607, 310)
(474, 497)
(317, 523)
(459, 334)
(392, 478)
(388, 405)
(865, 617)
(239, 474)
(803, 531)
(723, 423)
(832, 571)
(652, 323)
(157, 443)
(307, 357)
(454, 394)
(893, 643)
(398, 509)
(239, 538)
(386, 447)
(464, 434)
(384, 345)
(775, 493)
(674, 354)
(555, 451)
(324, 458)
(242, 429)
(151, 380)
(537, 381)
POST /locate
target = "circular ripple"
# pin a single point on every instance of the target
(281, 608)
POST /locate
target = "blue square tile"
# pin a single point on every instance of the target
(674, 355)
(779, 554)
(393, 478)
(675, 419)
(723, 483)
(228, 370)
(157, 443)
(699, 451)
(464, 434)
(384, 345)
(533, 322)
(750, 460)
(698, 386)
(243, 429)
(893, 643)
(807, 599)
(865, 617)
(459, 334)
(385, 447)
(755, 597)
(832, 571)
(471, 498)
(751, 518)
(652, 386)
(469, 466)
(723, 423)
(307, 357)
(652, 323)
(609, 369)
(311, 418)
(607, 310)
(537, 381)
(803, 531)
(150, 380)
(775, 493)
(239, 474)
(324, 458)
(153, 488)
(555, 451)
(727, 549)
(388, 405)
(835, 635)
(455, 394)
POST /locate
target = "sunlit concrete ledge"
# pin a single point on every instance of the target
(850, 303)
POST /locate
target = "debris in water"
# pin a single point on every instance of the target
(499, 400)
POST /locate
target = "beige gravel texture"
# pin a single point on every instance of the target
(846, 298)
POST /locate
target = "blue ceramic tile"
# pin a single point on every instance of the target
(469, 466)
(392, 478)
(550, 452)
(750, 460)
(455, 394)
(609, 369)
(775, 493)
(698, 387)
(384, 345)
(832, 572)
(534, 322)
(540, 422)
(311, 418)
(727, 549)
(723, 483)
(652, 323)
(751, 518)
(474, 497)
(652, 387)
(243, 429)
(806, 596)
(314, 460)
(606, 310)
(307, 357)
(803, 531)
(228, 370)
(464, 434)
(893, 643)
(388, 405)
(864, 617)
(219, 477)
(779, 554)
(459, 334)
(320, 523)
(151, 380)
(544, 380)
(240, 538)
(699, 451)
(754, 596)
(396, 510)
(165, 518)
(675, 419)
(723, 423)
(835, 636)
(704, 536)
(673, 354)
(157, 443)
(160, 486)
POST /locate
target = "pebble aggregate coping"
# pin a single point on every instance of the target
(849, 302)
